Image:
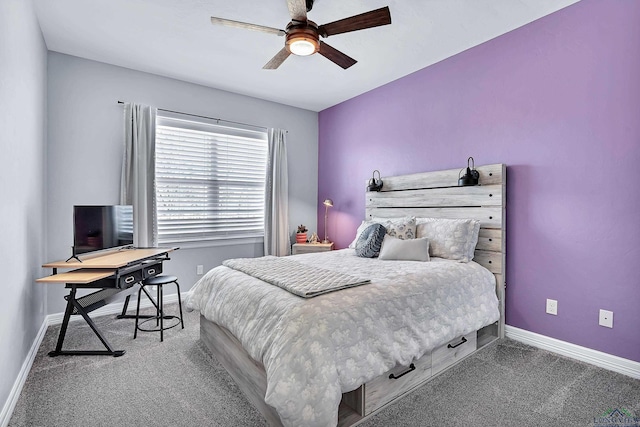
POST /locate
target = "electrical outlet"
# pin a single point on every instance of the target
(200, 269)
(606, 318)
(552, 307)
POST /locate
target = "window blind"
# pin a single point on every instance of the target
(210, 181)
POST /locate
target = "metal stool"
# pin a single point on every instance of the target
(158, 281)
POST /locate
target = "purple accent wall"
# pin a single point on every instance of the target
(558, 101)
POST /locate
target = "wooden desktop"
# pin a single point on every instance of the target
(111, 272)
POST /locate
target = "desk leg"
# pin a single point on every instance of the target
(65, 323)
(123, 315)
(73, 303)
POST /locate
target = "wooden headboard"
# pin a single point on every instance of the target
(437, 195)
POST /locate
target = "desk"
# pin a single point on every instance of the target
(111, 273)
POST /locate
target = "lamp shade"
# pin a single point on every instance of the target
(328, 202)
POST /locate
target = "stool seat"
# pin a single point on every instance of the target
(157, 281)
(160, 280)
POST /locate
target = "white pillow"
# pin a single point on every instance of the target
(404, 250)
(453, 239)
(402, 228)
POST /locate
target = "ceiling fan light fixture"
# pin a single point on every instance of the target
(303, 40)
(303, 47)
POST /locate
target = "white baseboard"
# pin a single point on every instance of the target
(56, 319)
(12, 399)
(584, 354)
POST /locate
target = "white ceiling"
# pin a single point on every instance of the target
(174, 38)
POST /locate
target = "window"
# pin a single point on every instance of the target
(210, 180)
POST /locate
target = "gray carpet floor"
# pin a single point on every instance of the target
(177, 383)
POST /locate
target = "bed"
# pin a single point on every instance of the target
(337, 358)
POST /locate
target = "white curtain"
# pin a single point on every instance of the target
(138, 171)
(276, 215)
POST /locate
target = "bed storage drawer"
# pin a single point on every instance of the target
(446, 355)
(399, 380)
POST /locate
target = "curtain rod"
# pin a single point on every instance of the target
(210, 118)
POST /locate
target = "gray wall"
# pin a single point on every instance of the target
(85, 135)
(23, 66)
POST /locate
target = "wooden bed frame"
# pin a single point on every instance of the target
(428, 194)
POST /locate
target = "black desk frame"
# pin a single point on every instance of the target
(87, 303)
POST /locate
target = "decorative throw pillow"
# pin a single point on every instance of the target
(359, 231)
(402, 228)
(453, 239)
(404, 250)
(369, 242)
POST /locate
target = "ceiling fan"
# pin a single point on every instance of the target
(302, 36)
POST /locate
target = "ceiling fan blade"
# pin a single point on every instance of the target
(374, 18)
(277, 60)
(297, 10)
(245, 25)
(333, 54)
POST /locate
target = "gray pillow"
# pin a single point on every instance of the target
(369, 242)
(404, 250)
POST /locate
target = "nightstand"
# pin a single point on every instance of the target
(307, 248)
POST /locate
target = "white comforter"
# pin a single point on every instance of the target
(315, 349)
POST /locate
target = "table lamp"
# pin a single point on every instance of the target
(327, 204)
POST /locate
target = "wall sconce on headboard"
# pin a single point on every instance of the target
(471, 177)
(375, 184)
